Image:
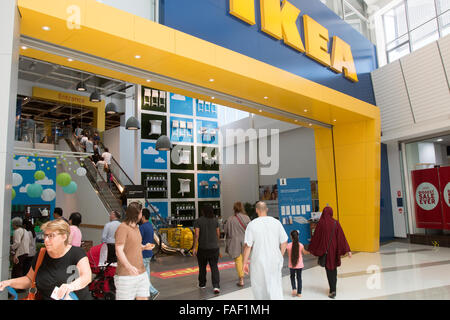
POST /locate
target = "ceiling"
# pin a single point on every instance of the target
(40, 72)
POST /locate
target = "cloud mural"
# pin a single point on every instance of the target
(151, 151)
(45, 182)
(160, 160)
(24, 189)
(23, 164)
(178, 97)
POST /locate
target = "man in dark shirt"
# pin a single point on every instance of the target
(147, 234)
(207, 235)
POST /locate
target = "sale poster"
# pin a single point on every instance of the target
(444, 183)
(427, 199)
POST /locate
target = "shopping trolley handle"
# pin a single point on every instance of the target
(13, 293)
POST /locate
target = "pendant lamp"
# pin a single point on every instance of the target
(132, 124)
(95, 97)
(163, 143)
(111, 108)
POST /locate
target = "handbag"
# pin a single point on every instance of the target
(33, 290)
(241, 223)
(323, 259)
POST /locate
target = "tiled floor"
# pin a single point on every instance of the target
(398, 271)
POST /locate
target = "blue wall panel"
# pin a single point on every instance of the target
(386, 214)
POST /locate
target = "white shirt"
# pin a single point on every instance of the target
(83, 140)
(264, 235)
(107, 157)
(89, 146)
(109, 231)
(21, 242)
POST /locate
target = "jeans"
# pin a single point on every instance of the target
(153, 291)
(297, 272)
(211, 256)
(332, 279)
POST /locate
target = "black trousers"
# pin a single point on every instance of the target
(298, 273)
(332, 279)
(211, 257)
(18, 269)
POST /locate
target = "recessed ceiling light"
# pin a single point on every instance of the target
(211, 80)
(439, 140)
(310, 124)
(213, 98)
(306, 110)
(70, 60)
(148, 80)
(137, 56)
(24, 47)
(260, 110)
(334, 120)
(296, 120)
(266, 98)
(46, 28)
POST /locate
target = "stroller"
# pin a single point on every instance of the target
(103, 263)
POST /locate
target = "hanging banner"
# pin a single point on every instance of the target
(427, 201)
(295, 206)
(444, 179)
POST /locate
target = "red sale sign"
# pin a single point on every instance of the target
(444, 182)
(427, 199)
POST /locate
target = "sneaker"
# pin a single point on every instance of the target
(154, 296)
(216, 290)
(332, 295)
(201, 287)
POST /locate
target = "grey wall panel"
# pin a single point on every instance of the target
(391, 97)
(426, 83)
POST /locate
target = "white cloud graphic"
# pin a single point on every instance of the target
(151, 151)
(24, 189)
(178, 97)
(23, 164)
(45, 182)
(214, 179)
(160, 160)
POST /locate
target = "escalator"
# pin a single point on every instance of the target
(111, 195)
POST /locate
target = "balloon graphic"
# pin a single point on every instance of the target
(71, 188)
(17, 179)
(81, 171)
(39, 175)
(34, 190)
(63, 179)
(13, 194)
(48, 195)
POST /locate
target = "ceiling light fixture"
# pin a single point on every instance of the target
(70, 59)
(163, 144)
(211, 80)
(440, 140)
(81, 86)
(132, 124)
(148, 80)
(111, 108)
(24, 47)
(95, 96)
(46, 28)
(137, 56)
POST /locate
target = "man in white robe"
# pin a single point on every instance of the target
(266, 240)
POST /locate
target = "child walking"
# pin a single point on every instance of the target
(295, 250)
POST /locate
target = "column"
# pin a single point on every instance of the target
(9, 63)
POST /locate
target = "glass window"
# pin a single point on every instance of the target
(444, 24)
(397, 42)
(398, 52)
(420, 11)
(443, 5)
(395, 24)
(424, 35)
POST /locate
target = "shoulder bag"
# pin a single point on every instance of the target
(33, 290)
(240, 222)
(322, 261)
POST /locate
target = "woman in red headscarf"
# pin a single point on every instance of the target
(338, 246)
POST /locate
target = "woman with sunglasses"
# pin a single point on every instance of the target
(64, 266)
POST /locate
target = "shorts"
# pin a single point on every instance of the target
(130, 287)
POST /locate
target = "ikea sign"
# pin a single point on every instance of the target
(279, 21)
